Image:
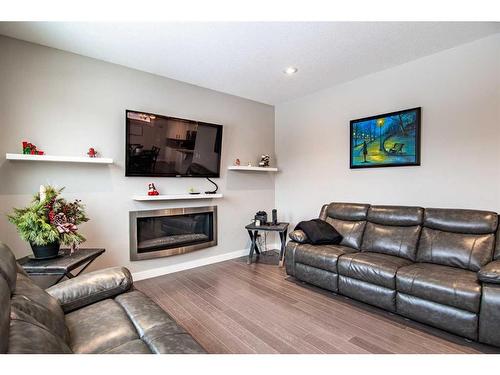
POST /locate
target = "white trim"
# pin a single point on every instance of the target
(61, 159)
(175, 197)
(188, 265)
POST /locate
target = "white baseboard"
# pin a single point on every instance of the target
(188, 265)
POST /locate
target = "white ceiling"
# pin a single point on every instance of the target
(248, 59)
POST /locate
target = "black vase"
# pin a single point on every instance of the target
(48, 251)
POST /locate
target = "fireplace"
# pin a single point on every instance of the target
(163, 233)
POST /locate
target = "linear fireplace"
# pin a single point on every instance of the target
(163, 233)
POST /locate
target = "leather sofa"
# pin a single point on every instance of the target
(98, 312)
(437, 266)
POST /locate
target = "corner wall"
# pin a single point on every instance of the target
(459, 92)
(66, 103)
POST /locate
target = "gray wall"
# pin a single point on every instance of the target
(459, 92)
(66, 103)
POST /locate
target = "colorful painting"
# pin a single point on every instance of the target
(388, 140)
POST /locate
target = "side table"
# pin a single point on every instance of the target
(51, 271)
(253, 231)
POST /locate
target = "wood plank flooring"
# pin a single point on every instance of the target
(232, 307)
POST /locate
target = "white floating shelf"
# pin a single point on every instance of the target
(60, 159)
(174, 197)
(254, 169)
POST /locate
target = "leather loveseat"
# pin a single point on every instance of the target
(437, 266)
(96, 312)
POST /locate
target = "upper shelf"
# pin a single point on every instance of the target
(60, 159)
(255, 169)
(175, 197)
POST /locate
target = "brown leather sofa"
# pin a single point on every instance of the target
(94, 313)
(437, 266)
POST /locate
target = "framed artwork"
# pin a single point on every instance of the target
(387, 140)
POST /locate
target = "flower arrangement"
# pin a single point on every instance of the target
(50, 220)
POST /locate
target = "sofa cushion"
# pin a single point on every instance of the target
(496, 255)
(466, 251)
(131, 347)
(349, 219)
(347, 211)
(42, 315)
(367, 292)
(34, 301)
(324, 257)
(458, 321)
(403, 216)
(8, 266)
(99, 327)
(445, 285)
(374, 268)
(4, 314)
(324, 279)
(351, 231)
(461, 221)
(155, 326)
(400, 241)
(28, 336)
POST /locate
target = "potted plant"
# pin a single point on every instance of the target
(49, 221)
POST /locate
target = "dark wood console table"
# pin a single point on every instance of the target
(47, 272)
(253, 231)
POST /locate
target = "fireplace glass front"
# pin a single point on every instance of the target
(161, 233)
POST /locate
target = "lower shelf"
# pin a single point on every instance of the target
(175, 197)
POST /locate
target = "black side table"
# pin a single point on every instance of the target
(253, 231)
(51, 271)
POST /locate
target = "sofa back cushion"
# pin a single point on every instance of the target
(349, 219)
(458, 238)
(8, 266)
(35, 302)
(4, 315)
(496, 255)
(28, 336)
(393, 230)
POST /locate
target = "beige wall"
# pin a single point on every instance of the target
(65, 103)
(459, 92)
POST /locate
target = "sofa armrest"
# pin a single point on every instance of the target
(92, 287)
(490, 273)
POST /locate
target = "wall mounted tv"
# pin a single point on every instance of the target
(162, 146)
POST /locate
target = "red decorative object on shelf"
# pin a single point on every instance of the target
(152, 189)
(92, 153)
(30, 149)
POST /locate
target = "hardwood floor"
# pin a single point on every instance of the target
(232, 307)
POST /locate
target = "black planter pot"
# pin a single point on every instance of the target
(48, 251)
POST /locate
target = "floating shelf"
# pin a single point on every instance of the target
(60, 159)
(254, 169)
(174, 197)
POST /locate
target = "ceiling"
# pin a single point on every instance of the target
(247, 59)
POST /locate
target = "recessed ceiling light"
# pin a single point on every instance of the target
(291, 70)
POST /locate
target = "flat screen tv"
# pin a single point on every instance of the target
(162, 146)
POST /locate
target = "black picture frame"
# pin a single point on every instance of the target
(417, 139)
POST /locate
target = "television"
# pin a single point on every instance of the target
(163, 146)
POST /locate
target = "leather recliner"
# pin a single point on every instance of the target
(437, 266)
(97, 312)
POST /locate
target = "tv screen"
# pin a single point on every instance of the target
(162, 146)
